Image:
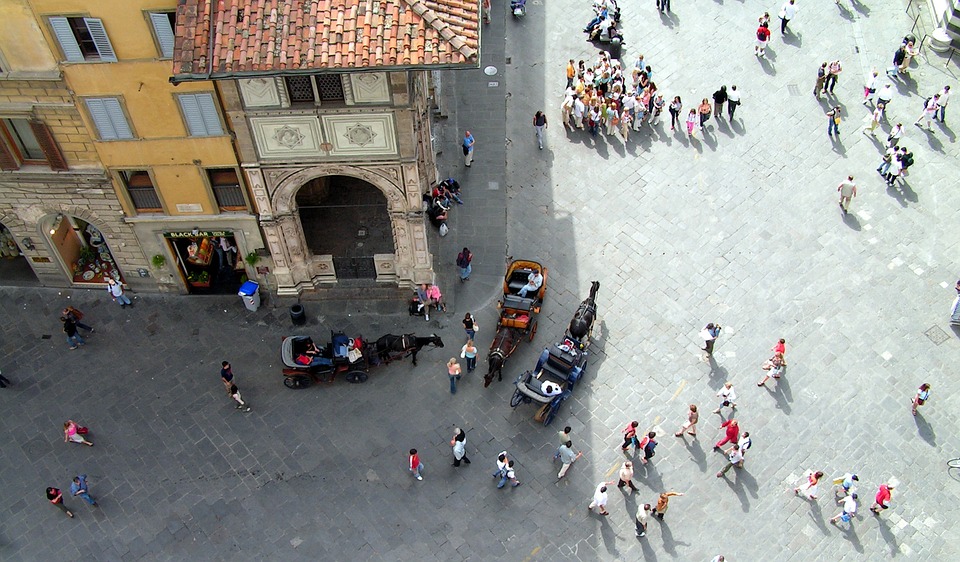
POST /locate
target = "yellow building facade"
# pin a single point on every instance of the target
(180, 216)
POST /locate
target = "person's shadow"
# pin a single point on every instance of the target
(724, 127)
(925, 430)
(852, 222)
(781, 392)
(838, 145)
(767, 65)
(850, 534)
(717, 375)
(609, 535)
(816, 513)
(793, 39)
(696, 452)
(669, 543)
(887, 533)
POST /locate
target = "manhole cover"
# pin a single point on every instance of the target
(936, 335)
(793, 89)
(36, 447)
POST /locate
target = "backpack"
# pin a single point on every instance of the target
(926, 102)
(648, 450)
(908, 160)
(462, 260)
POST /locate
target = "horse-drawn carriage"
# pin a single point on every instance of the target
(306, 363)
(560, 366)
(518, 314)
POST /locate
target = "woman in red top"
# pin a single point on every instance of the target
(732, 433)
(629, 435)
(882, 501)
(415, 465)
(56, 498)
(763, 35)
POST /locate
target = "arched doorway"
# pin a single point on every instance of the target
(347, 218)
(83, 250)
(15, 270)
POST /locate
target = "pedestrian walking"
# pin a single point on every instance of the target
(704, 110)
(468, 144)
(733, 101)
(809, 487)
(885, 96)
(944, 98)
(464, 259)
(470, 326)
(629, 436)
(612, 118)
(709, 334)
(486, 12)
(539, 124)
(883, 497)
(56, 498)
(846, 484)
(886, 161)
(849, 510)
(763, 35)
(501, 464)
(833, 121)
(692, 123)
(641, 519)
(235, 394)
(625, 121)
(116, 291)
(930, 109)
(74, 433)
(893, 139)
(226, 375)
(781, 348)
(459, 444)
(79, 488)
(690, 426)
(663, 502)
(600, 499)
(906, 160)
(416, 467)
(870, 87)
(744, 443)
(731, 433)
(567, 457)
(674, 108)
(453, 371)
(821, 80)
(847, 190)
(896, 166)
(469, 352)
(728, 397)
(663, 5)
(73, 336)
(566, 109)
(719, 98)
(774, 365)
(648, 445)
(898, 57)
(833, 74)
(909, 52)
(734, 459)
(75, 315)
(875, 118)
(509, 474)
(787, 13)
(571, 73)
(923, 394)
(626, 477)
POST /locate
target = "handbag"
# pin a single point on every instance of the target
(444, 229)
(466, 151)
(82, 430)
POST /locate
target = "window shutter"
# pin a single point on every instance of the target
(49, 146)
(108, 116)
(100, 39)
(165, 37)
(68, 43)
(8, 160)
(200, 114)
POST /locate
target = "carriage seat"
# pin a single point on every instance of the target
(516, 302)
(515, 320)
(518, 279)
(535, 381)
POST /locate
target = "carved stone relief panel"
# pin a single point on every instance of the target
(259, 92)
(370, 87)
(287, 137)
(258, 187)
(361, 134)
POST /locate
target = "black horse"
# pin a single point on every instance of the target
(504, 344)
(391, 347)
(582, 323)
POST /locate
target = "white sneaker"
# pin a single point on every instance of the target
(419, 307)
(427, 316)
(419, 477)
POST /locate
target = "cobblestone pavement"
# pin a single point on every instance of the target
(741, 228)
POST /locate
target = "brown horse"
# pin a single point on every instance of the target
(582, 323)
(504, 344)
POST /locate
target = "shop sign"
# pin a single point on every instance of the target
(198, 234)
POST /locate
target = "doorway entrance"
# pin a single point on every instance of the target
(208, 261)
(15, 270)
(347, 218)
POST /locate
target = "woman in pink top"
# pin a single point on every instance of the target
(71, 433)
(453, 370)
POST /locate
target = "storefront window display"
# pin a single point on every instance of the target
(208, 261)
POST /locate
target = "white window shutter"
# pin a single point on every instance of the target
(211, 117)
(164, 33)
(108, 116)
(100, 39)
(68, 43)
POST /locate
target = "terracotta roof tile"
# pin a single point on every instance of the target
(276, 35)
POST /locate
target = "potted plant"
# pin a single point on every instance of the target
(199, 279)
(159, 261)
(252, 258)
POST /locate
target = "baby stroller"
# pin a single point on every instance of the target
(518, 7)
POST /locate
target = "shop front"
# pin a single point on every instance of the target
(83, 250)
(208, 261)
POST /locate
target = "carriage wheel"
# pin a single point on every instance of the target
(356, 377)
(297, 382)
(552, 413)
(533, 330)
(516, 399)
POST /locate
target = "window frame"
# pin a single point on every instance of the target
(119, 175)
(207, 175)
(216, 108)
(123, 109)
(148, 16)
(99, 37)
(317, 98)
(15, 146)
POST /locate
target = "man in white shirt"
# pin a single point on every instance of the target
(787, 13)
(849, 509)
(734, 458)
(733, 100)
(534, 282)
(848, 190)
(578, 109)
(600, 499)
(944, 98)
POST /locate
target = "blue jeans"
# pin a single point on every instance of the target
(416, 471)
(75, 340)
(884, 168)
(471, 363)
(943, 111)
(453, 383)
(526, 289)
(832, 127)
(123, 300)
(466, 271)
(503, 480)
(87, 498)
